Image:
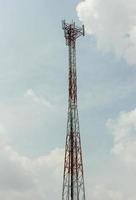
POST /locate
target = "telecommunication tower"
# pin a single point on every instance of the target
(73, 179)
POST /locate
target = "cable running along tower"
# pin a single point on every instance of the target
(73, 179)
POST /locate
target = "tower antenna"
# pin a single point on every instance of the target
(73, 178)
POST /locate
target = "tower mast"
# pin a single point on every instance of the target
(73, 179)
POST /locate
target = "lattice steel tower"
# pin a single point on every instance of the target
(73, 180)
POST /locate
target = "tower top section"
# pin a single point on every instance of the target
(72, 32)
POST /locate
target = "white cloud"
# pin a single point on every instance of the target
(41, 178)
(37, 99)
(24, 178)
(123, 130)
(28, 120)
(113, 22)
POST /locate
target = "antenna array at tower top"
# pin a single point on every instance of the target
(72, 32)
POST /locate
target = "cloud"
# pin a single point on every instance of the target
(24, 178)
(28, 120)
(113, 23)
(37, 99)
(40, 178)
(123, 130)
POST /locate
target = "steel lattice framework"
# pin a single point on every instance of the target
(73, 180)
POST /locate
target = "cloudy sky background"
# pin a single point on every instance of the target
(33, 97)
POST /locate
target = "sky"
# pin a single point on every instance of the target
(33, 97)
